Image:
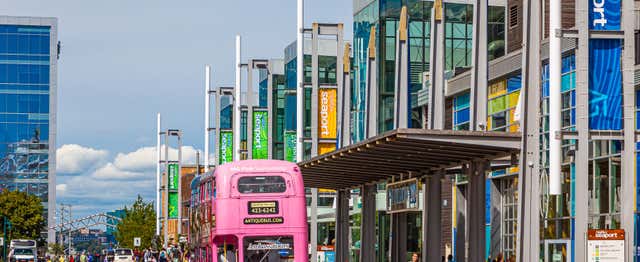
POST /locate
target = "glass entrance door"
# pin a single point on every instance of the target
(557, 250)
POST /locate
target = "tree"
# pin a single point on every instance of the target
(56, 249)
(138, 221)
(25, 212)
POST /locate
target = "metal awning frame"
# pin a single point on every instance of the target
(405, 153)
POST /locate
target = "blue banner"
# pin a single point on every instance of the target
(605, 84)
(604, 14)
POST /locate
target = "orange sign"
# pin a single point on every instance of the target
(605, 234)
(324, 148)
(327, 113)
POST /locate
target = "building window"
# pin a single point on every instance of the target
(509, 208)
(458, 32)
(496, 35)
(461, 112)
(503, 99)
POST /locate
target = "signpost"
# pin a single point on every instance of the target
(605, 245)
(402, 196)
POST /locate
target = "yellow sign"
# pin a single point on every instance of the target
(327, 113)
(324, 148)
(263, 207)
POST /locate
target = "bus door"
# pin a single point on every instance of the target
(227, 250)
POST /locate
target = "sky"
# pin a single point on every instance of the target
(124, 61)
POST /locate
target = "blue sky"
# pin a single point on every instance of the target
(122, 61)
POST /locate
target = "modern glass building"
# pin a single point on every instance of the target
(28, 60)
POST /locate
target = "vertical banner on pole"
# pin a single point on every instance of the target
(173, 205)
(290, 146)
(605, 73)
(327, 112)
(260, 131)
(226, 147)
(173, 177)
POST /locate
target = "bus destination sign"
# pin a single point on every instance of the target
(263, 220)
(263, 207)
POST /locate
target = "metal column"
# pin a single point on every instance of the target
(436, 69)
(372, 86)
(432, 218)
(479, 72)
(237, 103)
(158, 177)
(342, 59)
(528, 239)
(344, 100)
(581, 183)
(270, 111)
(628, 183)
(476, 207)
(398, 237)
(342, 225)
(315, 41)
(368, 223)
(401, 109)
(313, 234)
(207, 114)
(250, 106)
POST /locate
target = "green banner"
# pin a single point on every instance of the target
(173, 177)
(260, 143)
(173, 205)
(290, 146)
(226, 147)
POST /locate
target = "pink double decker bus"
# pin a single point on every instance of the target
(258, 212)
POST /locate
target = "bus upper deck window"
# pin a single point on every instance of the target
(261, 184)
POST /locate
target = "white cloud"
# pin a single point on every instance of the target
(145, 158)
(61, 189)
(115, 182)
(111, 172)
(75, 159)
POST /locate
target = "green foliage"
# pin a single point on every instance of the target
(138, 221)
(56, 249)
(25, 212)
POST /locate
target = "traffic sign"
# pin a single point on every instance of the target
(136, 241)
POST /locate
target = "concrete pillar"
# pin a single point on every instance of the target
(402, 106)
(431, 222)
(628, 183)
(368, 223)
(436, 69)
(342, 225)
(476, 207)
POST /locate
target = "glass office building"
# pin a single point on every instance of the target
(385, 16)
(28, 57)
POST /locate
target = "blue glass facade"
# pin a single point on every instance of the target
(25, 57)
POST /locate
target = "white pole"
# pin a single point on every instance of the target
(555, 106)
(207, 113)
(158, 156)
(300, 82)
(237, 105)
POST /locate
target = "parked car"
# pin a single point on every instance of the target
(123, 255)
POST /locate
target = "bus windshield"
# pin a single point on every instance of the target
(21, 251)
(268, 249)
(261, 184)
